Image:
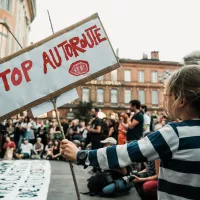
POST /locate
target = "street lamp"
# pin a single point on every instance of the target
(4, 23)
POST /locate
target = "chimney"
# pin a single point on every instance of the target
(144, 56)
(155, 55)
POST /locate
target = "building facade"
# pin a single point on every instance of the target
(136, 79)
(16, 16)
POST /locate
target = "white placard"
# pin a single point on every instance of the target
(45, 107)
(24, 179)
(51, 67)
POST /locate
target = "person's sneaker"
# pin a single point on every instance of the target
(17, 155)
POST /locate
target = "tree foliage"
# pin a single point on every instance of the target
(83, 111)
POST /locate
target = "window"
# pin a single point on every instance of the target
(154, 77)
(141, 76)
(114, 75)
(5, 4)
(85, 95)
(166, 74)
(154, 97)
(100, 78)
(141, 96)
(127, 75)
(127, 96)
(114, 96)
(3, 41)
(100, 96)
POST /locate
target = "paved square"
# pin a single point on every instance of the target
(62, 186)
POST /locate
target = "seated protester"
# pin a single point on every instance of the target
(104, 183)
(38, 148)
(26, 149)
(48, 149)
(56, 151)
(9, 146)
(146, 181)
(110, 141)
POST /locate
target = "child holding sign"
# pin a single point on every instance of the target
(177, 145)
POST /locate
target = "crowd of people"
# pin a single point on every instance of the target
(26, 138)
(40, 139)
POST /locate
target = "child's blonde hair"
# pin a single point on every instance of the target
(185, 83)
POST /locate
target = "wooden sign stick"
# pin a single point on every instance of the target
(61, 129)
(70, 163)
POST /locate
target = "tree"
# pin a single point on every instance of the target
(83, 111)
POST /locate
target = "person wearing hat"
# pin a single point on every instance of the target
(26, 149)
(110, 141)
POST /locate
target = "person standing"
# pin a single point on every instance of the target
(55, 132)
(112, 128)
(43, 134)
(65, 126)
(121, 130)
(95, 130)
(26, 125)
(11, 129)
(147, 120)
(135, 122)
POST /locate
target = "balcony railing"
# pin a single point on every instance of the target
(100, 103)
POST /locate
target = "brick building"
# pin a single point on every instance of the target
(16, 16)
(136, 79)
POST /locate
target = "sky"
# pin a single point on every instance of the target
(135, 27)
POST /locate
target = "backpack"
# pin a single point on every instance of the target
(97, 182)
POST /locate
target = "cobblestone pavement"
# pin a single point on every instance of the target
(62, 186)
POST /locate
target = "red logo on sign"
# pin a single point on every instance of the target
(79, 67)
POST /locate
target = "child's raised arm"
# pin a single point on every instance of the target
(161, 144)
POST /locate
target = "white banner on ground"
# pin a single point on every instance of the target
(20, 180)
(64, 61)
(45, 107)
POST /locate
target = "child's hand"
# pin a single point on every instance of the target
(137, 179)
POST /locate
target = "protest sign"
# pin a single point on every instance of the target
(57, 64)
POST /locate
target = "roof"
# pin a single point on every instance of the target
(149, 61)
